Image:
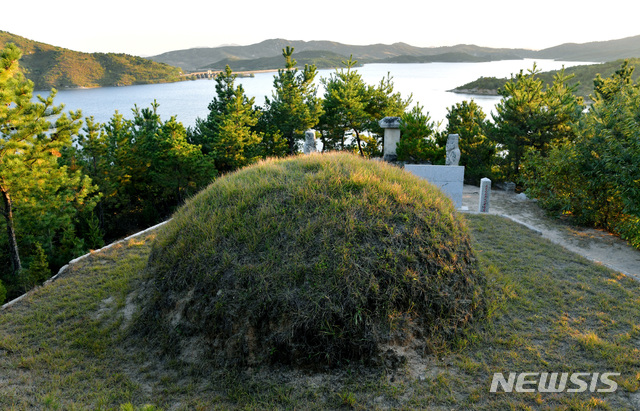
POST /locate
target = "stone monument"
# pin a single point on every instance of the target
(391, 126)
(449, 178)
(309, 142)
(453, 151)
(485, 195)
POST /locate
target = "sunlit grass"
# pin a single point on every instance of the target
(65, 346)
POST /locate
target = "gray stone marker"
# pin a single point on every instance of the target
(510, 187)
(453, 151)
(449, 178)
(309, 142)
(391, 126)
(485, 195)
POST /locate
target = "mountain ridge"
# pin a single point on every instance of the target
(194, 59)
(598, 51)
(601, 51)
(50, 66)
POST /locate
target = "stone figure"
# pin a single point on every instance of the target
(453, 151)
(309, 142)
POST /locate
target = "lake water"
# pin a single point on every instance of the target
(189, 100)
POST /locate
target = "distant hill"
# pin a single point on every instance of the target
(322, 60)
(453, 57)
(611, 50)
(204, 58)
(201, 58)
(49, 66)
(584, 76)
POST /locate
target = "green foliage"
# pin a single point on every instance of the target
(418, 142)
(352, 110)
(144, 168)
(595, 177)
(94, 234)
(320, 258)
(477, 151)
(226, 135)
(41, 196)
(3, 292)
(530, 116)
(452, 57)
(489, 85)
(318, 58)
(294, 107)
(582, 78)
(344, 107)
(38, 270)
(48, 66)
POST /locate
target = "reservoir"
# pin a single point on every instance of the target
(427, 83)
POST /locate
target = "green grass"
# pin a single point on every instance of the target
(66, 346)
(312, 259)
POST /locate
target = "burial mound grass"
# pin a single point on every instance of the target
(318, 259)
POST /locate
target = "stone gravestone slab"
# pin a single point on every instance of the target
(449, 178)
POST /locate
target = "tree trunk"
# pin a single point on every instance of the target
(359, 145)
(13, 245)
(292, 143)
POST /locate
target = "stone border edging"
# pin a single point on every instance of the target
(75, 260)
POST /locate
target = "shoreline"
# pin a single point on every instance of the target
(475, 91)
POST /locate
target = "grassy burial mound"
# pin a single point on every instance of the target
(307, 260)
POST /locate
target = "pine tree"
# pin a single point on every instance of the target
(418, 143)
(32, 181)
(477, 151)
(528, 116)
(345, 102)
(353, 109)
(38, 270)
(294, 106)
(144, 167)
(226, 135)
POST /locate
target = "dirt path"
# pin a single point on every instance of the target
(596, 245)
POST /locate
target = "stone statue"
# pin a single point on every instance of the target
(309, 142)
(453, 151)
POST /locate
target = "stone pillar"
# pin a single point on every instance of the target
(391, 126)
(485, 195)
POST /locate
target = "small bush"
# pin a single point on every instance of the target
(315, 259)
(3, 293)
(38, 270)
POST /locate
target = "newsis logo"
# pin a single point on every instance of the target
(554, 382)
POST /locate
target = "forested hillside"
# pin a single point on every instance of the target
(49, 66)
(594, 51)
(321, 59)
(583, 76)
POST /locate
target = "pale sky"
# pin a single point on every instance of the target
(145, 28)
